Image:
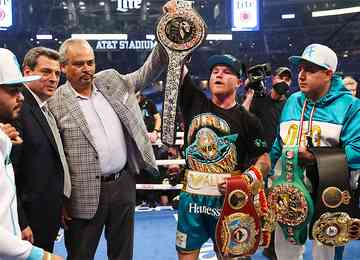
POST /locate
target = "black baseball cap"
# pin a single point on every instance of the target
(228, 60)
(283, 70)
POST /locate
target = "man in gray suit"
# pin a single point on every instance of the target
(106, 144)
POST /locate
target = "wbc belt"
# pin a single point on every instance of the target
(238, 231)
(336, 219)
(289, 200)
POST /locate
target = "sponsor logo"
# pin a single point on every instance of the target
(126, 5)
(196, 209)
(124, 44)
(260, 143)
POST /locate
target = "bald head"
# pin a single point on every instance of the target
(71, 44)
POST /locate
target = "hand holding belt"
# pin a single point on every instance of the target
(336, 219)
(238, 229)
(179, 33)
(289, 200)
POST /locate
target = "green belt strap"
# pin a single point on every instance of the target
(290, 200)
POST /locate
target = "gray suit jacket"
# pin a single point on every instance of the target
(79, 146)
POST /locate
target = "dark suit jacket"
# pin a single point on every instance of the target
(38, 171)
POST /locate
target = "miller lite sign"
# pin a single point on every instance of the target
(245, 15)
(126, 5)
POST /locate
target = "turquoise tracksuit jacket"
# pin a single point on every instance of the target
(335, 122)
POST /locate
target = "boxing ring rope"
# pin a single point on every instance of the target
(158, 187)
(169, 162)
(178, 141)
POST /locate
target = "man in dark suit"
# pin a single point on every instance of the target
(42, 174)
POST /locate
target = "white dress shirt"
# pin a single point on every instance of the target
(106, 130)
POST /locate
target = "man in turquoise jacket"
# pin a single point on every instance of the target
(325, 111)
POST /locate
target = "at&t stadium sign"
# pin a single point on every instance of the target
(124, 44)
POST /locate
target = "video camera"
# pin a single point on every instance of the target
(256, 75)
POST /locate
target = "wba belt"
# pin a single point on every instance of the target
(335, 222)
(203, 183)
(289, 200)
(239, 229)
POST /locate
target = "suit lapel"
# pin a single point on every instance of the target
(71, 102)
(39, 116)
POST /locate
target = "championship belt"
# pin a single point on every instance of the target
(336, 219)
(179, 34)
(289, 200)
(238, 231)
(255, 179)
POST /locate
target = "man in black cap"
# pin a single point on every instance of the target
(268, 107)
(220, 136)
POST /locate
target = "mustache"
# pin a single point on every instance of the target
(90, 75)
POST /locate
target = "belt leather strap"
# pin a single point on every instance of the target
(261, 206)
(238, 230)
(334, 223)
(289, 199)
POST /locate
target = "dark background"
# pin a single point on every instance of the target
(276, 40)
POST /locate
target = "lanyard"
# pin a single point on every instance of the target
(309, 129)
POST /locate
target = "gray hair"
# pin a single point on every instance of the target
(31, 57)
(68, 43)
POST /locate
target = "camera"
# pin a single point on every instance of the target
(256, 75)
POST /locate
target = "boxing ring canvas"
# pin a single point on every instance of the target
(155, 240)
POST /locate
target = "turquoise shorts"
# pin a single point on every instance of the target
(197, 219)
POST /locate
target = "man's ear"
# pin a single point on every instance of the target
(329, 73)
(62, 68)
(27, 71)
(239, 82)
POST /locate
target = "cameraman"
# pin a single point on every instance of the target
(267, 107)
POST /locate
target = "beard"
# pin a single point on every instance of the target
(7, 116)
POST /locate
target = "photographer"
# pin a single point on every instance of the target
(267, 107)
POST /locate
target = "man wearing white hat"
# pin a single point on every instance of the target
(323, 103)
(11, 99)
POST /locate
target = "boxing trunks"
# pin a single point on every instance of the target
(335, 222)
(199, 209)
(289, 199)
